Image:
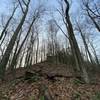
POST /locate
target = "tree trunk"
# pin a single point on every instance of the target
(37, 50)
(74, 46)
(10, 46)
(14, 61)
(85, 44)
(7, 24)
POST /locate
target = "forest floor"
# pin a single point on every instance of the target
(42, 81)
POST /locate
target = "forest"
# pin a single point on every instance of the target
(49, 50)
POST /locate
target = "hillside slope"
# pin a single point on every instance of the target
(47, 82)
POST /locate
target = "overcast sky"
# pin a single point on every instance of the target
(5, 6)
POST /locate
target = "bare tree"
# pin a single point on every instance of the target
(95, 54)
(84, 41)
(29, 54)
(37, 45)
(93, 12)
(74, 46)
(7, 24)
(14, 60)
(52, 36)
(10, 46)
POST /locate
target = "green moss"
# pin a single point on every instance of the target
(31, 98)
(77, 82)
(97, 96)
(76, 96)
(42, 98)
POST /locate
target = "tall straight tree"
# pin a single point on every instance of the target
(74, 45)
(10, 46)
(14, 60)
(84, 42)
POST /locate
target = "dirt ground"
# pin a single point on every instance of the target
(40, 87)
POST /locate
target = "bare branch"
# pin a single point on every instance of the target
(21, 6)
(61, 29)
